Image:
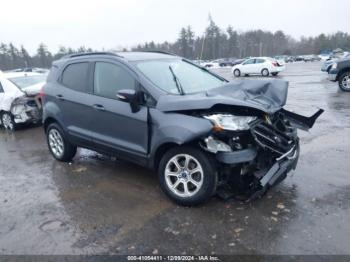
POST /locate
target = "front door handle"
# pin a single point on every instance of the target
(99, 107)
(60, 97)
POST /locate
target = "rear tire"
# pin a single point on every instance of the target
(7, 121)
(60, 148)
(344, 82)
(237, 73)
(187, 175)
(274, 74)
(265, 72)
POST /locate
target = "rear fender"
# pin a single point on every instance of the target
(299, 121)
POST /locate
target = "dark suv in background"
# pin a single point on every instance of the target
(340, 71)
(199, 131)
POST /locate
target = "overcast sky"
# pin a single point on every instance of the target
(124, 23)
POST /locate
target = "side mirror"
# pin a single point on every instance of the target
(130, 96)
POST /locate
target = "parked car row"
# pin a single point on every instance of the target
(31, 69)
(222, 62)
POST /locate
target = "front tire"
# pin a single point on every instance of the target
(59, 146)
(274, 74)
(237, 73)
(8, 121)
(344, 82)
(187, 175)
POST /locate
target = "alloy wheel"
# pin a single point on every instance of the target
(56, 143)
(7, 121)
(184, 175)
(265, 72)
(346, 82)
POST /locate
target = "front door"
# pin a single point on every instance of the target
(116, 128)
(248, 66)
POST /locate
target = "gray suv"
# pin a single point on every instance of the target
(200, 132)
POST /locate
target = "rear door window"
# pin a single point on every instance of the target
(259, 61)
(75, 76)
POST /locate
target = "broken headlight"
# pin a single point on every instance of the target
(17, 109)
(230, 122)
(214, 145)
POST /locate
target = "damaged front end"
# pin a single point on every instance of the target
(26, 109)
(254, 152)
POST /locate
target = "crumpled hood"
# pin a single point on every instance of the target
(34, 89)
(266, 95)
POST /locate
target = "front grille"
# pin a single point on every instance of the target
(268, 136)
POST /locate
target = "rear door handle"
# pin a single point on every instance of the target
(60, 97)
(99, 107)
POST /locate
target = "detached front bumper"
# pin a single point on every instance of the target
(275, 174)
(279, 170)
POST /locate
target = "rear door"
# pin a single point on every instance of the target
(74, 98)
(115, 128)
(259, 65)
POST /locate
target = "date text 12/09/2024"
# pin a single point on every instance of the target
(172, 258)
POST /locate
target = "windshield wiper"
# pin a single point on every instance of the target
(177, 82)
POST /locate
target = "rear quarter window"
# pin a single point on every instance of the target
(1, 89)
(52, 76)
(75, 76)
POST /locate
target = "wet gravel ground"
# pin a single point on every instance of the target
(99, 205)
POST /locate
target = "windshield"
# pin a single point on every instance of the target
(170, 73)
(24, 81)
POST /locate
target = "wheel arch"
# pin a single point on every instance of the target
(342, 71)
(50, 120)
(160, 151)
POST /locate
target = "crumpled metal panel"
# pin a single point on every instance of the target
(268, 96)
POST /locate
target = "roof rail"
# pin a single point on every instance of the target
(161, 52)
(89, 53)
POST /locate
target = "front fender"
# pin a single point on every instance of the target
(176, 128)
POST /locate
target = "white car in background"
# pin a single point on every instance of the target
(210, 64)
(264, 66)
(19, 98)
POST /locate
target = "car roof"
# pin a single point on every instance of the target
(137, 56)
(128, 56)
(18, 74)
(259, 57)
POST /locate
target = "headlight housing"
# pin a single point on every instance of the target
(214, 145)
(334, 66)
(230, 122)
